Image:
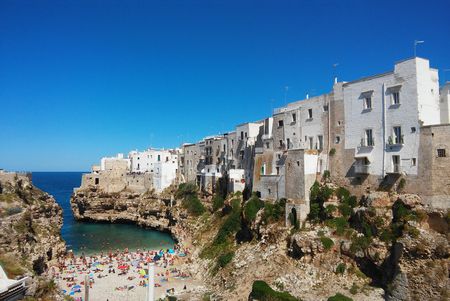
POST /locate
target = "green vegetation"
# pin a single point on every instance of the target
(274, 212)
(339, 297)
(252, 206)
(338, 223)
(354, 289)
(327, 242)
(231, 225)
(263, 292)
(326, 175)
(319, 194)
(332, 152)
(401, 184)
(188, 193)
(340, 269)
(218, 202)
(360, 243)
(10, 265)
(224, 259)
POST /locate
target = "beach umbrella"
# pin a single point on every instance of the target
(76, 287)
(171, 251)
(71, 293)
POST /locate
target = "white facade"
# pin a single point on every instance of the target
(444, 103)
(383, 115)
(162, 164)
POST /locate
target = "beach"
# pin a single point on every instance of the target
(122, 275)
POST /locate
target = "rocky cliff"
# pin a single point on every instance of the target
(145, 210)
(383, 246)
(30, 224)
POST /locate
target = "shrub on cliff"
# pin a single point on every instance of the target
(185, 190)
(193, 205)
(218, 202)
(263, 292)
(327, 242)
(251, 208)
(231, 225)
(274, 212)
(225, 259)
(319, 194)
(339, 297)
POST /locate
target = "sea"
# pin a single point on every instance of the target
(90, 237)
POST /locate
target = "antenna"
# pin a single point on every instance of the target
(286, 88)
(416, 42)
(334, 72)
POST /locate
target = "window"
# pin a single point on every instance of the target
(159, 158)
(267, 144)
(396, 98)
(279, 156)
(280, 123)
(245, 134)
(278, 170)
(294, 117)
(441, 152)
(281, 143)
(325, 108)
(311, 143)
(242, 135)
(288, 142)
(320, 139)
(310, 114)
(413, 162)
(413, 129)
(337, 139)
(396, 163)
(369, 138)
(263, 167)
(298, 163)
(367, 103)
(398, 138)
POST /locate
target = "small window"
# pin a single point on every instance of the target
(339, 122)
(269, 191)
(367, 103)
(441, 152)
(279, 156)
(267, 144)
(245, 134)
(337, 139)
(278, 170)
(280, 123)
(310, 114)
(281, 143)
(288, 142)
(242, 135)
(395, 98)
(413, 162)
(413, 129)
(298, 163)
(294, 117)
(369, 138)
(325, 108)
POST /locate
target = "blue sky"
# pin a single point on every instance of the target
(84, 79)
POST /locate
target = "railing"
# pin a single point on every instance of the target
(362, 169)
(395, 140)
(367, 143)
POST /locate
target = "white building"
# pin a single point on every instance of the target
(444, 103)
(161, 163)
(383, 116)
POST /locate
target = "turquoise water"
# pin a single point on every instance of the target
(95, 237)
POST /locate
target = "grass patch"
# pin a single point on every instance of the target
(263, 292)
(340, 297)
(10, 266)
(327, 242)
(252, 206)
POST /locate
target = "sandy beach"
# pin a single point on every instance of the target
(122, 275)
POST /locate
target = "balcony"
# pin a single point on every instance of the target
(396, 169)
(395, 140)
(362, 169)
(259, 150)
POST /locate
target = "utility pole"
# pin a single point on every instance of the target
(416, 42)
(86, 287)
(151, 282)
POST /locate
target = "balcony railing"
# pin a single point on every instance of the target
(395, 140)
(367, 143)
(362, 169)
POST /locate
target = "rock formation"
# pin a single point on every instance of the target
(30, 224)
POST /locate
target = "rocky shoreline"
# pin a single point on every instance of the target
(389, 246)
(30, 227)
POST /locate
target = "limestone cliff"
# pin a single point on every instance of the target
(30, 224)
(146, 210)
(383, 246)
